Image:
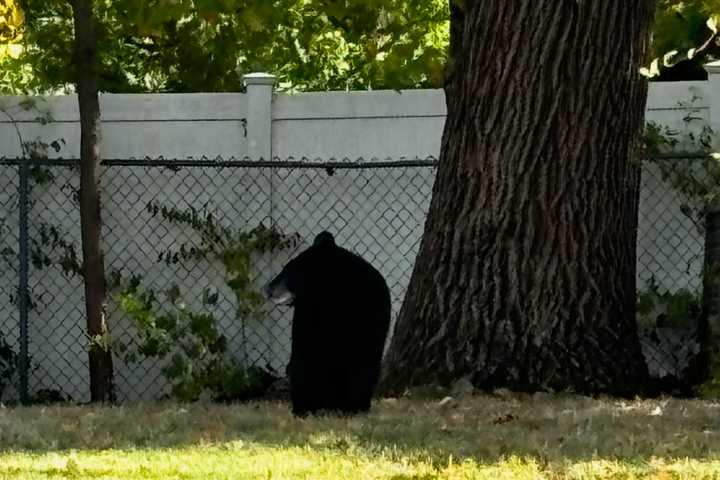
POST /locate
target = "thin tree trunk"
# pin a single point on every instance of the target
(525, 277)
(86, 64)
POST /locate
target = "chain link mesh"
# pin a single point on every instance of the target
(670, 263)
(9, 268)
(376, 209)
(670, 239)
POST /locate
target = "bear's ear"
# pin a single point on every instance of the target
(324, 238)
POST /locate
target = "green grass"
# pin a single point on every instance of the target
(495, 437)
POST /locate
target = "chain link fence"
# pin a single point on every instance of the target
(377, 209)
(156, 217)
(670, 263)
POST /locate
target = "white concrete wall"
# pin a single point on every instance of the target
(383, 124)
(378, 213)
(137, 126)
(316, 125)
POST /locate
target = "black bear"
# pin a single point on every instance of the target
(341, 319)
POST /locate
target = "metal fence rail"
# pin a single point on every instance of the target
(375, 208)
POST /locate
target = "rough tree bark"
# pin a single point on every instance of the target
(86, 66)
(525, 276)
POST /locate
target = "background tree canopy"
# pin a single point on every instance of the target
(205, 45)
(682, 26)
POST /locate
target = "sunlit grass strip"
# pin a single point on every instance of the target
(237, 460)
(488, 436)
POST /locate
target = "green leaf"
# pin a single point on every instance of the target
(177, 367)
(184, 46)
(173, 293)
(210, 296)
(204, 327)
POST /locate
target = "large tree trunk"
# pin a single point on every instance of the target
(525, 277)
(86, 65)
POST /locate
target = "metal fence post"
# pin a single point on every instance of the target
(23, 200)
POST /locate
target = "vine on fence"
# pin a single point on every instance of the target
(656, 307)
(31, 150)
(196, 355)
(234, 249)
(195, 351)
(659, 308)
(698, 180)
(9, 362)
(197, 361)
(189, 342)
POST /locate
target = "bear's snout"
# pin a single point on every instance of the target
(278, 293)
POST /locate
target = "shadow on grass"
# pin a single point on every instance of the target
(484, 428)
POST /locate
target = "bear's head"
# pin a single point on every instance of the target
(304, 274)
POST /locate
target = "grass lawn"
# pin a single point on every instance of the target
(497, 437)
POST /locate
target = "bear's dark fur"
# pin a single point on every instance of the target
(341, 319)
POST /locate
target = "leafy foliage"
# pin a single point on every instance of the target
(190, 343)
(233, 248)
(203, 45)
(10, 369)
(658, 308)
(9, 363)
(686, 34)
(13, 74)
(195, 350)
(11, 21)
(680, 25)
(697, 179)
(196, 359)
